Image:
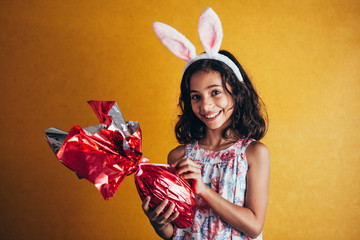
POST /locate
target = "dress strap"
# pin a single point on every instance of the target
(188, 148)
(247, 142)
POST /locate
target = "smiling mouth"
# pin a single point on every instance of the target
(213, 115)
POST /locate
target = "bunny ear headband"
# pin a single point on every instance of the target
(210, 33)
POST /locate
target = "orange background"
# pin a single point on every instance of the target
(303, 57)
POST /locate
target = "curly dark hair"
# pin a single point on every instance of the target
(249, 118)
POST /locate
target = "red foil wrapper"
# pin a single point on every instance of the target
(159, 181)
(106, 153)
(103, 154)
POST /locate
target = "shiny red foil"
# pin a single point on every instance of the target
(105, 154)
(101, 157)
(160, 182)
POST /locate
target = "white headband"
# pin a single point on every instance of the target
(210, 33)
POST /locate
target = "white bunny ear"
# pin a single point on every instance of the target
(177, 43)
(210, 31)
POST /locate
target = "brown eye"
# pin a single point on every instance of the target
(195, 97)
(215, 92)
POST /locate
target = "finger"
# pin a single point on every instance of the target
(188, 162)
(173, 216)
(189, 168)
(169, 211)
(158, 209)
(182, 162)
(190, 175)
(175, 164)
(169, 216)
(145, 204)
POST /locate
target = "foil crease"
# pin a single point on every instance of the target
(159, 181)
(106, 153)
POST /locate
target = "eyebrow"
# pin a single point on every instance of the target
(211, 86)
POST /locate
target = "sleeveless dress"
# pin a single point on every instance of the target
(225, 172)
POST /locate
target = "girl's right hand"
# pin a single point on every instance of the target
(159, 221)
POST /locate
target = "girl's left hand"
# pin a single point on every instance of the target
(190, 170)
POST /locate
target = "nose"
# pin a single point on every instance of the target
(207, 104)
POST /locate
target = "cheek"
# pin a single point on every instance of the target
(229, 106)
(227, 103)
(193, 107)
(231, 103)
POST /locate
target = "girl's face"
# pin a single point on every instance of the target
(210, 101)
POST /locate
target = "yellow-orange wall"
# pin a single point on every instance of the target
(303, 56)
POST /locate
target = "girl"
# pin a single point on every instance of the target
(221, 156)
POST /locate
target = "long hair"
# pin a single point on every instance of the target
(249, 118)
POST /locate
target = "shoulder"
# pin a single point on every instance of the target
(257, 152)
(176, 154)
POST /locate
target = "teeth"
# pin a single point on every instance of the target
(212, 115)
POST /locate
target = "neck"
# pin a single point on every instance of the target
(214, 140)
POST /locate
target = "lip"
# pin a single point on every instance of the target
(211, 116)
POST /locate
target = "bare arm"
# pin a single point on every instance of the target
(250, 218)
(176, 155)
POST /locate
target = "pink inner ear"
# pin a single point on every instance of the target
(209, 36)
(210, 31)
(213, 39)
(177, 43)
(178, 48)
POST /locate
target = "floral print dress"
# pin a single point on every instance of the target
(225, 172)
